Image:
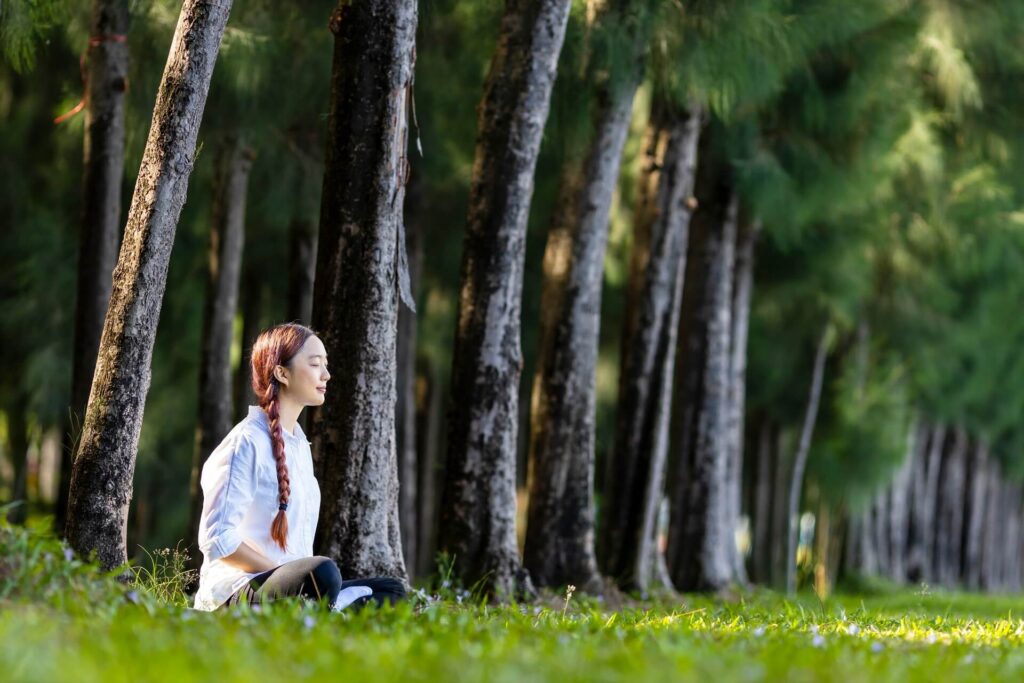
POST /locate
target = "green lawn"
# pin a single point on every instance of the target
(60, 621)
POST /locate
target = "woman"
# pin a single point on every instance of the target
(260, 498)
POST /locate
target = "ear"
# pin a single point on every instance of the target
(281, 375)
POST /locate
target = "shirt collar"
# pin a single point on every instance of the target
(256, 413)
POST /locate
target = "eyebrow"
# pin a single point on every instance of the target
(317, 355)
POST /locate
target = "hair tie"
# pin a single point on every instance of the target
(282, 507)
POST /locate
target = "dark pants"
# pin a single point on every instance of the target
(314, 578)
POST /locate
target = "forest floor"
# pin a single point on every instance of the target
(60, 620)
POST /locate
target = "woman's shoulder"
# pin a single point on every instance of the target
(247, 439)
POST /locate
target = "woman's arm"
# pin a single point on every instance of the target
(248, 559)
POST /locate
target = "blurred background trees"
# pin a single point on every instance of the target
(868, 156)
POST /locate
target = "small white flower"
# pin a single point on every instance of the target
(758, 632)
(877, 647)
(308, 621)
(814, 629)
(853, 629)
(818, 640)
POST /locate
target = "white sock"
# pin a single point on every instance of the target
(349, 595)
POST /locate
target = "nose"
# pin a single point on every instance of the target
(325, 375)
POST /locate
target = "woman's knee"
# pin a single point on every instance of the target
(326, 577)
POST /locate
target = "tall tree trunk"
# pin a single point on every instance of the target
(899, 506)
(360, 270)
(301, 268)
(302, 230)
(697, 551)
(634, 482)
(105, 85)
(990, 540)
(761, 510)
(101, 481)
(918, 485)
(405, 407)
(224, 266)
(253, 295)
(429, 432)
(950, 509)
(974, 528)
(919, 564)
(742, 290)
(17, 442)
(478, 508)
(800, 460)
(560, 519)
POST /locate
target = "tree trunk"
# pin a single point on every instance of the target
(479, 500)
(253, 296)
(101, 482)
(634, 483)
(17, 442)
(698, 529)
(429, 432)
(800, 460)
(227, 236)
(974, 528)
(405, 407)
(763, 470)
(950, 510)
(560, 520)
(742, 290)
(990, 539)
(899, 506)
(105, 85)
(918, 486)
(360, 270)
(301, 269)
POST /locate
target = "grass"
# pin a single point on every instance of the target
(61, 620)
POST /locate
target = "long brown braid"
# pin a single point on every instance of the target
(276, 346)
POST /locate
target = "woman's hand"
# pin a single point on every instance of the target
(250, 560)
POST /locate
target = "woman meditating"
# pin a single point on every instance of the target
(261, 501)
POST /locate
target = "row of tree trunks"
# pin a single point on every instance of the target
(224, 265)
(106, 80)
(560, 547)
(479, 499)
(948, 517)
(101, 482)
(634, 479)
(360, 272)
(698, 552)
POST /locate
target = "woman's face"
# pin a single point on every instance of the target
(305, 378)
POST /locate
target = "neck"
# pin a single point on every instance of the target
(288, 412)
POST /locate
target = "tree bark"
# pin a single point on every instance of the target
(899, 506)
(950, 509)
(105, 85)
(101, 482)
(429, 432)
(990, 541)
(405, 408)
(634, 482)
(360, 269)
(479, 498)
(698, 555)
(974, 528)
(17, 442)
(918, 484)
(764, 467)
(560, 519)
(224, 266)
(800, 460)
(252, 302)
(742, 291)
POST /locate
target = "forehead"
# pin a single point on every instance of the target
(313, 347)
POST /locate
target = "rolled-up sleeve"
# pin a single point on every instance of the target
(228, 481)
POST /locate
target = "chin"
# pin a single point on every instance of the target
(319, 400)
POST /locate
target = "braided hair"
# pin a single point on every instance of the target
(276, 346)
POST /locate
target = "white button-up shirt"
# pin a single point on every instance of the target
(240, 501)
